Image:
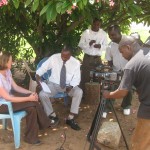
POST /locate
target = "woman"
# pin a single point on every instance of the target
(36, 118)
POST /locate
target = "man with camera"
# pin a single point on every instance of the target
(136, 73)
(117, 62)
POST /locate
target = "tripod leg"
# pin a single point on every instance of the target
(92, 135)
(93, 124)
(119, 125)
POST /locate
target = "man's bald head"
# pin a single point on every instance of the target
(128, 46)
(126, 40)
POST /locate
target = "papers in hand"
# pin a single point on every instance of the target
(45, 87)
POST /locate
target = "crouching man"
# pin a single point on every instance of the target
(136, 73)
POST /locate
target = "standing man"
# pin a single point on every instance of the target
(117, 62)
(65, 77)
(137, 73)
(93, 41)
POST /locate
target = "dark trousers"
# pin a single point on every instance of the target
(36, 118)
(89, 63)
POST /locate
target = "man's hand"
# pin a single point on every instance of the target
(106, 94)
(97, 45)
(68, 89)
(91, 42)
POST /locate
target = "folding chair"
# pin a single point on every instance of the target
(15, 120)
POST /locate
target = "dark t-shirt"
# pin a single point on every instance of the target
(137, 73)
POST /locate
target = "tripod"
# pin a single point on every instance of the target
(93, 132)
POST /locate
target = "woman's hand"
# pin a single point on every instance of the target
(33, 97)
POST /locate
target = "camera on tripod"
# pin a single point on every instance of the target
(104, 72)
(108, 80)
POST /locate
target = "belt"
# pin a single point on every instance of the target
(92, 56)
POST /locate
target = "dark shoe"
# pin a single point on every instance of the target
(72, 124)
(54, 121)
(37, 143)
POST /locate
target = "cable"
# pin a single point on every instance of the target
(64, 137)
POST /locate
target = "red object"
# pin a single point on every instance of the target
(3, 2)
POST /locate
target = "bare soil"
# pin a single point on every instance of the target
(53, 138)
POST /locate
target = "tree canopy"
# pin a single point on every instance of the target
(48, 24)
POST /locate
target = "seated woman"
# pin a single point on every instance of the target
(36, 118)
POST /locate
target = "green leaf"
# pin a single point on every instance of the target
(28, 2)
(59, 7)
(80, 4)
(45, 8)
(66, 6)
(35, 5)
(84, 2)
(51, 13)
(16, 3)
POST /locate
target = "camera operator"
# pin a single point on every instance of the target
(117, 62)
(137, 73)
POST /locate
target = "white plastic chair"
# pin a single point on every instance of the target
(15, 120)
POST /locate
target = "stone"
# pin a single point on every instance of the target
(92, 93)
(109, 134)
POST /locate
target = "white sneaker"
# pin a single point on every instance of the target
(104, 115)
(126, 111)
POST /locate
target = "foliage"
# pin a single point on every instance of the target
(48, 24)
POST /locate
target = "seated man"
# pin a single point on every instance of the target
(65, 77)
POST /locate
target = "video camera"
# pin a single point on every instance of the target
(108, 80)
(104, 72)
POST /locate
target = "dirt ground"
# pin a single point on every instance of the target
(53, 138)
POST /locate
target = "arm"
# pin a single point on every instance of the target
(108, 56)
(44, 67)
(19, 89)
(83, 44)
(125, 85)
(4, 94)
(102, 43)
(115, 94)
(76, 77)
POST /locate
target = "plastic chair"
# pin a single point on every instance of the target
(32, 83)
(15, 120)
(45, 77)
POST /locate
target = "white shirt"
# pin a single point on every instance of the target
(100, 37)
(113, 54)
(55, 62)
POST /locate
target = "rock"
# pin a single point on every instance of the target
(109, 134)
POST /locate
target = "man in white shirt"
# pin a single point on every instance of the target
(72, 80)
(117, 62)
(93, 41)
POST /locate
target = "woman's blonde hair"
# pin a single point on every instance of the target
(4, 58)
